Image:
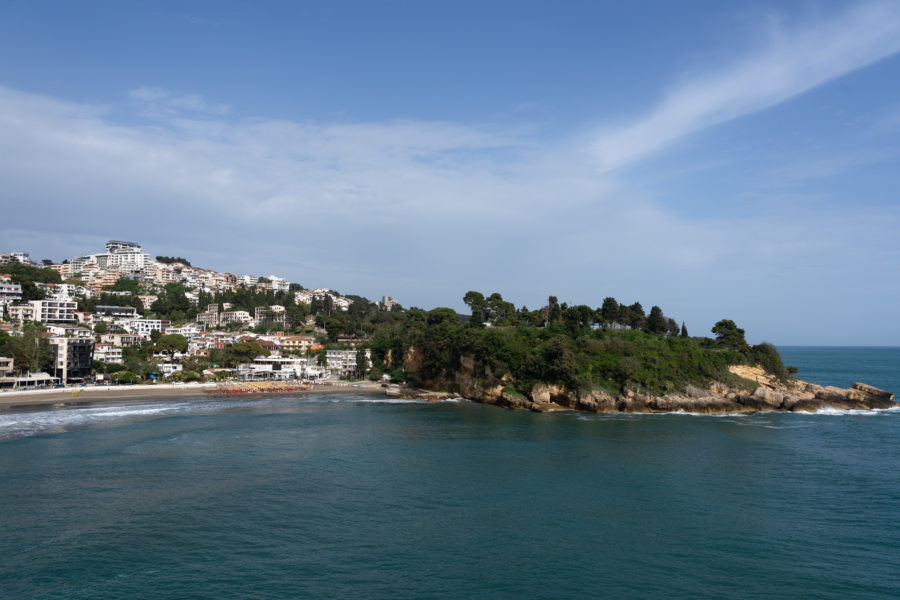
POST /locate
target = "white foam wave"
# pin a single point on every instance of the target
(828, 411)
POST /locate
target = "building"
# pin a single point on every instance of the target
(118, 312)
(45, 311)
(342, 362)
(64, 270)
(144, 327)
(6, 366)
(186, 330)
(208, 318)
(108, 353)
(10, 292)
(351, 340)
(235, 316)
(269, 315)
(70, 331)
(387, 302)
(121, 340)
(296, 343)
(72, 358)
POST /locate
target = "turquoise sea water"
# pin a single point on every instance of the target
(354, 497)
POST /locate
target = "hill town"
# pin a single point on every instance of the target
(122, 316)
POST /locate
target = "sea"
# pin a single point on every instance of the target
(358, 496)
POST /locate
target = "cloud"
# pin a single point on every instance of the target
(157, 102)
(419, 210)
(789, 63)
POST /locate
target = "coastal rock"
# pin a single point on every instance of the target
(769, 397)
(874, 397)
(516, 401)
(540, 393)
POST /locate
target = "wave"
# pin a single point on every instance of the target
(25, 423)
(854, 411)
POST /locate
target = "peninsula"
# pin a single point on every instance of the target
(121, 317)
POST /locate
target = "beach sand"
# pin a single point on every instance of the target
(72, 396)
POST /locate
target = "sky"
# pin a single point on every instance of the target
(734, 160)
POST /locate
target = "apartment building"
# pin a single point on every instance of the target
(121, 340)
(45, 311)
(108, 353)
(70, 331)
(144, 327)
(235, 316)
(10, 292)
(72, 358)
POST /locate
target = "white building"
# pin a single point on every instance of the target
(144, 327)
(108, 353)
(70, 331)
(45, 311)
(10, 292)
(343, 362)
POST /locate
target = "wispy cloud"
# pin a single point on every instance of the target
(161, 102)
(788, 63)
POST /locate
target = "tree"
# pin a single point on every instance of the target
(673, 328)
(609, 311)
(362, 363)
(729, 335)
(554, 312)
(656, 322)
(636, 316)
(31, 351)
(684, 331)
(476, 303)
(243, 352)
(170, 344)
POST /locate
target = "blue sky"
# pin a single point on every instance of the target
(720, 160)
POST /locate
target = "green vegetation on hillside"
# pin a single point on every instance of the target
(614, 347)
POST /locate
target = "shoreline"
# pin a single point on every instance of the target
(101, 394)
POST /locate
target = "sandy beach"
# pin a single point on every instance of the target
(72, 396)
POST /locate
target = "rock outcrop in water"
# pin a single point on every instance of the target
(769, 394)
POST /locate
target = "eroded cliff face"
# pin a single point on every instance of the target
(718, 398)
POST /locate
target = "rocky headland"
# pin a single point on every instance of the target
(761, 392)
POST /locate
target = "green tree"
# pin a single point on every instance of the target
(362, 363)
(729, 335)
(170, 344)
(656, 323)
(684, 331)
(31, 351)
(476, 303)
(609, 311)
(243, 352)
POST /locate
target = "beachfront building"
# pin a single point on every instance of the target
(342, 362)
(6, 366)
(72, 358)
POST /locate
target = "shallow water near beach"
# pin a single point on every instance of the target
(356, 497)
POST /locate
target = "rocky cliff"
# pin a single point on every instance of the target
(769, 395)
